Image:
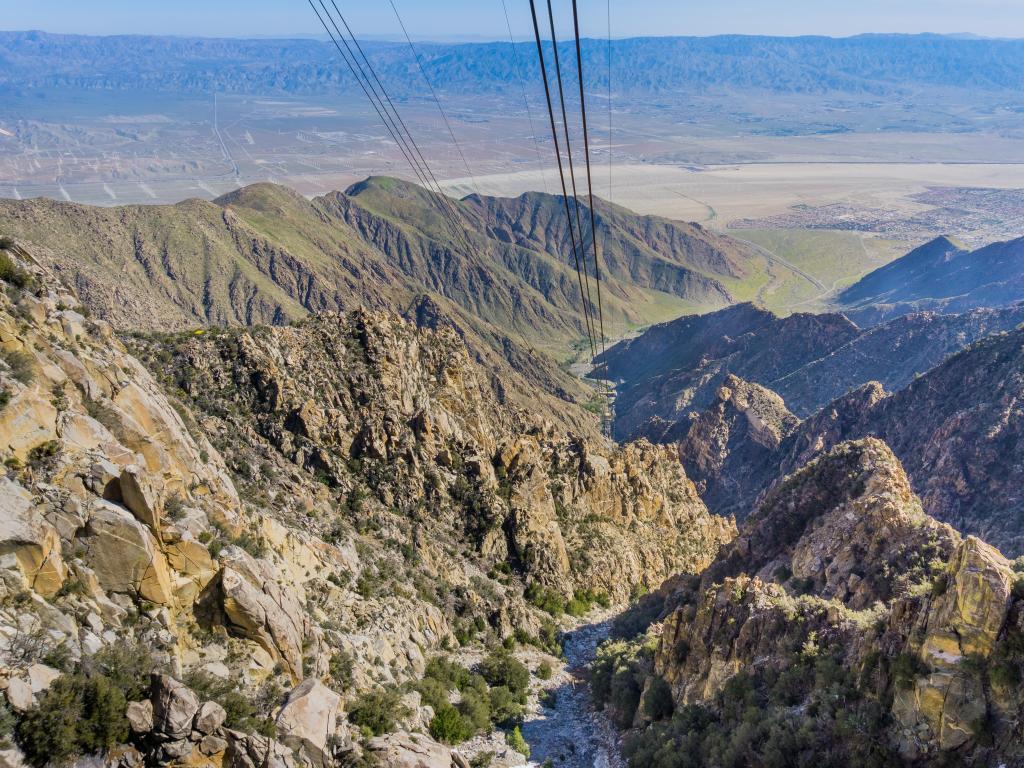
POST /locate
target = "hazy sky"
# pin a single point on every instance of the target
(483, 19)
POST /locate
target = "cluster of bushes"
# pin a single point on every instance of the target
(617, 679)
(807, 715)
(552, 602)
(19, 366)
(377, 712)
(494, 696)
(83, 712)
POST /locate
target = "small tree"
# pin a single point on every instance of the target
(516, 741)
(377, 711)
(449, 726)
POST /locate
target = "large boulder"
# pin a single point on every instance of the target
(308, 720)
(142, 498)
(403, 750)
(174, 708)
(247, 599)
(28, 544)
(125, 555)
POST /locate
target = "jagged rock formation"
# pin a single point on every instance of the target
(840, 586)
(311, 514)
(730, 447)
(412, 410)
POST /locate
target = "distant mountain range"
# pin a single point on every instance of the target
(939, 275)
(868, 64)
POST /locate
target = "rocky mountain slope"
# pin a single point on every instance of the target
(842, 624)
(673, 370)
(942, 276)
(264, 254)
(956, 429)
(306, 534)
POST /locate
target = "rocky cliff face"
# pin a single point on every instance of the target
(731, 447)
(278, 522)
(858, 627)
(673, 370)
(955, 429)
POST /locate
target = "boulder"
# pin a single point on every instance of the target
(210, 717)
(19, 695)
(41, 677)
(212, 745)
(403, 750)
(141, 497)
(307, 721)
(140, 716)
(125, 555)
(174, 707)
(968, 617)
(274, 622)
(28, 543)
(11, 757)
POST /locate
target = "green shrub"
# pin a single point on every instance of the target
(242, 711)
(20, 365)
(10, 272)
(475, 707)
(432, 692)
(1018, 587)
(128, 665)
(7, 723)
(505, 708)
(341, 668)
(6, 243)
(174, 507)
(515, 740)
(500, 668)
(449, 726)
(544, 671)
(104, 723)
(77, 714)
(1005, 673)
(546, 599)
(376, 712)
(658, 702)
(5, 397)
(451, 675)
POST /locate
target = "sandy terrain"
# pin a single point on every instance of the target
(716, 195)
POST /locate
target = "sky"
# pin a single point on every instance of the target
(484, 20)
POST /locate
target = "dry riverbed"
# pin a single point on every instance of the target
(561, 726)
